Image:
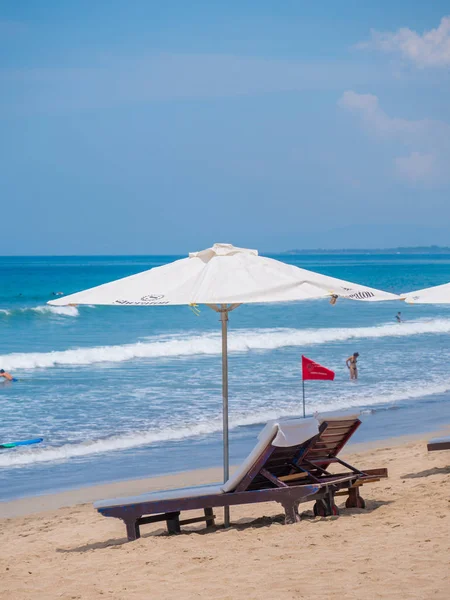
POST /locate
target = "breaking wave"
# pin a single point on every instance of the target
(22, 457)
(65, 311)
(209, 344)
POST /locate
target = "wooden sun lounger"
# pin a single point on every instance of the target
(439, 444)
(288, 474)
(319, 453)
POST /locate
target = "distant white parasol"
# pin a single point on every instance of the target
(439, 294)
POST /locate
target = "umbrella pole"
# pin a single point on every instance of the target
(226, 459)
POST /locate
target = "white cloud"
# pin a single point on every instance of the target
(426, 142)
(417, 167)
(431, 49)
(367, 106)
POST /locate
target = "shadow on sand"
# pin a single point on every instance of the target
(428, 472)
(239, 525)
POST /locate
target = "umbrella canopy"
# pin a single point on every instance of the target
(222, 274)
(222, 277)
(439, 294)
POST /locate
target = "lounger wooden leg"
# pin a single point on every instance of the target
(325, 507)
(173, 524)
(291, 513)
(209, 517)
(354, 499)
(133, 531)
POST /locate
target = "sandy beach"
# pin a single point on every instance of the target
(397, 548)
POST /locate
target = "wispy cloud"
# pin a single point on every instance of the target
(429, 49)
(171, 76)
(426, 141)
(367, 107)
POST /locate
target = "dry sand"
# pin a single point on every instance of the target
(397, 548)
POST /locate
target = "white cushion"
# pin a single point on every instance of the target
(189, 492)
(337, 417)
(282, 433)
(441, 440)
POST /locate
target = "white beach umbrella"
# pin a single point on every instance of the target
(439, 294)
(222, 277)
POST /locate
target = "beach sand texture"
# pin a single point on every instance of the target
(397, 548)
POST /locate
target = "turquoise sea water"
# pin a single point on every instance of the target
(126, 392)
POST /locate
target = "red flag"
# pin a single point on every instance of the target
(312, 370)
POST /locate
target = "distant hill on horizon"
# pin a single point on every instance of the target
(397, 250)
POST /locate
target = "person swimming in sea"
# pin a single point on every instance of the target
(6, 375)
(398, 317)
(351, 363)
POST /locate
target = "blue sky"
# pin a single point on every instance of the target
(145, 127)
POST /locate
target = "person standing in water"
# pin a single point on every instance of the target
(351, 363)
(398, 317)
(6, 375)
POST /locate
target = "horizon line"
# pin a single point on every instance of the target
(277, 252)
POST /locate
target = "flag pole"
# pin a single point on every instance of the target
(303, 382)
(313, 370)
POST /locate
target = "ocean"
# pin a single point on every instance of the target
(128, 392)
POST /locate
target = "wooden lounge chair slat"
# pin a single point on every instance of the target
(157, 518)
(324, 447)
(194, 520)
(333, 424)
(320, 452)
(293, 477)
(361, 482)
(336, 429)
(284, 453)
(381, 473)
(265, 473)
(320, 462)
(278, 461)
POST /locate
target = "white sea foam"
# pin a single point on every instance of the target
(210, 344)
(27, 456)
(65, 311)
(122, 442)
